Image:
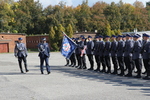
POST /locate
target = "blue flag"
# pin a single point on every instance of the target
(68, 47)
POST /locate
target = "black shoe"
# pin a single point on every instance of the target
(114, 73)
(103, 71)
(97, 70)
(84, 67)
(90, 69)
(146, 78)
(121, 74)
(48, 72)
(42, 73)
(144, 72)
(128, 75)
(27, 70)
(66, 65)
(22, 72)
(137, 76)
(108, 72)
(79, 67)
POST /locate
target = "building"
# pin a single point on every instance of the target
(33, 41)
(8, 41)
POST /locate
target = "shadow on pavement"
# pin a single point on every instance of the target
(142, 85)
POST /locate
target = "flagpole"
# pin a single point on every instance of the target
(69, 37)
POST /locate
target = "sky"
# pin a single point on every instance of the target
(75, 3)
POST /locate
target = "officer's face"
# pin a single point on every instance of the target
(20, 41)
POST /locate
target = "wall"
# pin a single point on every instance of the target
(10, 39)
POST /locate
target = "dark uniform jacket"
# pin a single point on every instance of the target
(120, 48)
(113, 48)
(96, 48)
(101, 48)
(44, 50)
(90, 46)
(107, 48)
(145, 49)
(128, 48)
(20, 50)
(137, 50)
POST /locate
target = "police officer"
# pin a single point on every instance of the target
(20, 52)
(107, 54)
(137, 55)
(120, 49)
(96, 53)
(113, 53)
(101, 53)
(77, 52)
(44, 54)
(89, 52)
(128, 54)
(145, 55)
(82, 47)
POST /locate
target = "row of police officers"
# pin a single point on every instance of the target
(126, 53)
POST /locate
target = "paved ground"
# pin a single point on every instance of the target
(65, 83)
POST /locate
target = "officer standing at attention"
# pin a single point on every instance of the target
(137, 55)
(107, 54)
(128, 55)
(82, 47)
(96, 53)
(120, 54)
(20, 52)
(89, 52)
(113, 53)
(44, 54)
(101, 53)
(77, 52)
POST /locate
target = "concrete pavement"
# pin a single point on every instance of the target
(65, 83)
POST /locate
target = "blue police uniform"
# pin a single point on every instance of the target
(89, 52)
(120, 55)
(101, 54)
(107, 55)
(77, 52)
(82, 48)
(96, 53)
(114, 54)
(44, 54)
(20, 52)
(137, 56)
(128, 56)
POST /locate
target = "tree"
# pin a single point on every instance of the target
(108, 30)
(69, 30)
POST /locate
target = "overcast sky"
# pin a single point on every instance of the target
(74, 3)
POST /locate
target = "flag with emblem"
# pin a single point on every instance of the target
(68, 46)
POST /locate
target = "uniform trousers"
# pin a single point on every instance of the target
(146, 63)
(121, 64)
(73, 60)
(46, 59)
(115, 63)
(78, 59)
(138, 64)
(102, 60)
(90, 57)
(128, 63)
(108, 64)
(83, 61)
(20, 59)
(97, 59)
